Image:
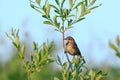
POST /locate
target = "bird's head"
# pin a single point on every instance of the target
(69, 39)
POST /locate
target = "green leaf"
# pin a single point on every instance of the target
(38, 10)
(57, 11)
(22, 50)
(47, 22)
(118, 54)
(9, 37)
(44, 16)
(64, 66)
(36, 54)
(92, 2)
(32, 6)
(48, 9)
(113, 47)
(55, 21)
(55, 18)
(82, 8)
(40, 54)
(86, 2)
(92, 74)
(35, 46)
(117, 40)
(59, 61)
(51, 46)
(38, 2)
(54, 7)
(65, 12)
(17, 42)
(62, 3)
(74, 74)
(31, 58)
(78, 5)
(80, 19)
(99, 75)
(27, 65)
(85, 13)
(45, 48)
(70, 23)
(17, 33)
(94, 7)
(57, 1)
(70, 3)
(71, 15)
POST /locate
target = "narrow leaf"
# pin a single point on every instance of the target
(118, 54)
(47, 22)
(117, 40)
(38, 2)
(45, 48)
(113, 47)
(51, 46)
(71, 15)
(70, 3)
(44, 16)
(92, 74)
(85, 13)
(86, 2)
(82, 8)
(94, 7)
(38, 10)
(59, 61)
(62, 3)
(78, 4)
(54, 7)
(80, 19)
(32, 58)
(64, 66)
(36, 54)
(17, 41)
(92, 2)
(32, 6)
(48, 9)
(9, 37)
(22, 49)
(57, 1)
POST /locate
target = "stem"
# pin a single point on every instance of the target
(29, 74)
(63, 31)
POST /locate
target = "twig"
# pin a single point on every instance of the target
(63, 43)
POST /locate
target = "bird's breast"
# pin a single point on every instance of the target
(71, 50)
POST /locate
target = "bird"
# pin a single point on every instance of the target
(72, 48)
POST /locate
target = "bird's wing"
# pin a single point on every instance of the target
(77, 49)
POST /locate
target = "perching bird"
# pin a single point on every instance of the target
(71, 47)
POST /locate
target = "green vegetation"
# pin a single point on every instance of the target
(37, 65)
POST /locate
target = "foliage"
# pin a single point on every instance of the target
(13, 70)
(116, 46)
(39, 57)
(75, 13)
(80, 72)
(62, 19)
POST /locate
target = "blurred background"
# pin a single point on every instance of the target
(92, 36)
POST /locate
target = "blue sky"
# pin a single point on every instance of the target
(92, 34)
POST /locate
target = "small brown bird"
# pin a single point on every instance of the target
(71, 47)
